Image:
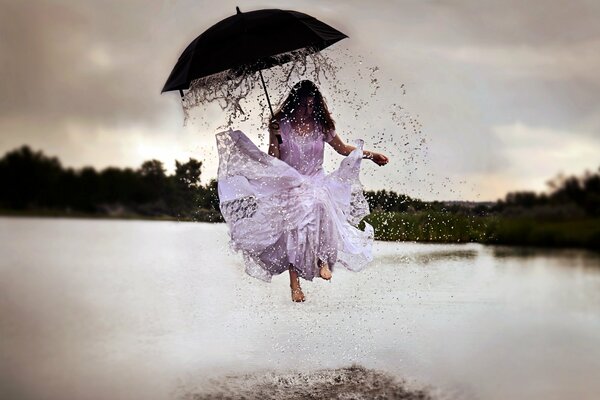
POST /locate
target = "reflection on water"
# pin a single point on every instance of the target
(427, 256)
(565, 257)
(140, 309)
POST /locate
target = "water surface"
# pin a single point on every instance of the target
(97, 309)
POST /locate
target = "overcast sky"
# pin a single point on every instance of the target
(507, 92)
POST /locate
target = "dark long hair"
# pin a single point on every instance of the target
(300, 92)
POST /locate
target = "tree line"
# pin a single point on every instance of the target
(33, 181)
(568, 195)
(30, 180)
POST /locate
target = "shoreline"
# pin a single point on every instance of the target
(488, 230)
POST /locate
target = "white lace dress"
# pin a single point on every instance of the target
(288, 211)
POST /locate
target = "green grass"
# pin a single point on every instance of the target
(458, 228)
(426, 227)
(565, 233)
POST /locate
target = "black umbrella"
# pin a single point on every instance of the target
(250, 42)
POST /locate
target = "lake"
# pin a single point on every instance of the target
(120, 309)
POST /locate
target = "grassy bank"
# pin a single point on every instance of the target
(583, 232)
(426, 227)
(458, 228)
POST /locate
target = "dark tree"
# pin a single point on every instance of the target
(28, 179)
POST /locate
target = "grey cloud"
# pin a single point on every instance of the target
(55, 72)
(103, 64)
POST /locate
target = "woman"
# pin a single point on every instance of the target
(284, 212)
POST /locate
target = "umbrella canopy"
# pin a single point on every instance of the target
(248, 42)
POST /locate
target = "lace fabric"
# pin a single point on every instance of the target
(244, 207)
(278, 216)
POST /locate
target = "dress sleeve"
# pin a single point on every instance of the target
(329, 135)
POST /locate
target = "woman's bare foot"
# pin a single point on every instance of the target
(324, 271)
(297, 295)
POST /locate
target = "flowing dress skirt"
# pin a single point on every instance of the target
(277, 216)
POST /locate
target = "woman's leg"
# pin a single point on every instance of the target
(326, 240)
(297, 294)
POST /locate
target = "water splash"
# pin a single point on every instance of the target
(364, 103)
(231, 88)
(355, 382)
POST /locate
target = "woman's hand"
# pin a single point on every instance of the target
(380, 159)
(274, 126)
(377, 158)
(344, 149)
(274, 138)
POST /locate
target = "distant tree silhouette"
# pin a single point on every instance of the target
(581, 193)
(187, 193)
(30, 180)
(209, 197)
(154, 180)
(384, 200)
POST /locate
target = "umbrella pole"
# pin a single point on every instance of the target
(277, 135)
(266, 94)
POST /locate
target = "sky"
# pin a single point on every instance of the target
(506, 93)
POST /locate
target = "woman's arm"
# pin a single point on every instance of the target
(273, 143)
(345, 149)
